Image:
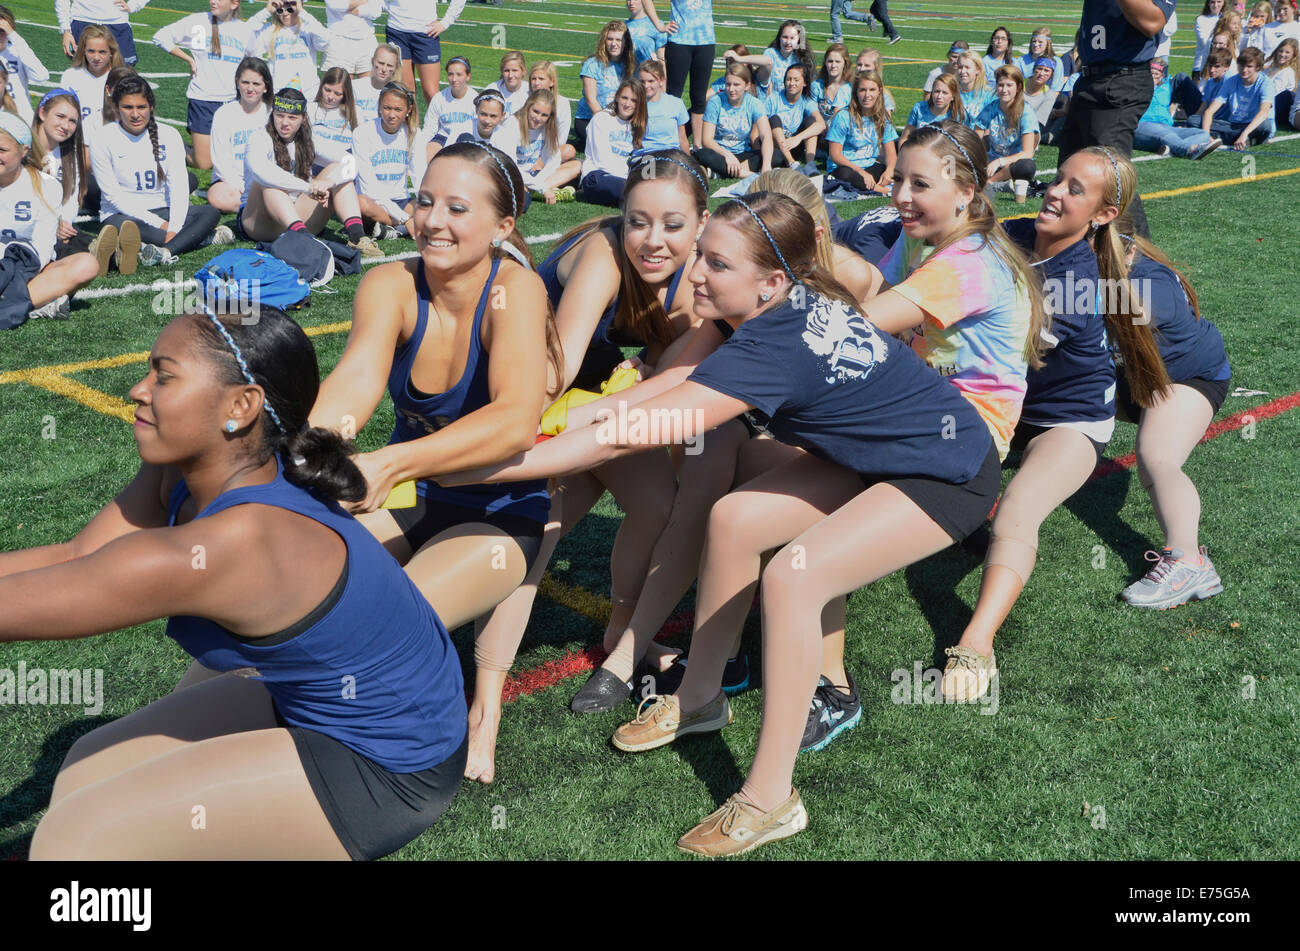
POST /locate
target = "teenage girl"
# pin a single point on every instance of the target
(450, 109)
(861, 141)
(975, 94)
(351, 25)
(789, 46)
(75, 15)
(869, 61)
(281, 193)
(794, 119)
(1040, 46)
(602, 73)
(647, 42)
(23, 66)
(97, 53)
(1205, 25)
(29, 208)
(531, 137)
(139, 166)
(333, 117)
(489, 110)
(618, 282)
(832, 89)
(688, 53)
(418, 38)
(817, 374)
(384, 64)
(1282, 67)
(461, 337)
(514, 91)
(212, 45)
(290, 39)
(387, 153)
(232, 126)
(613, 135)
(731, 122)
(1009, 130)
(667, 120)
(56, 132)
(1256, 33)
(999, 52)
(1172, 396)
(542, 75)
(295, 599)
(950, 66)
(943, 102)
(1069, 410)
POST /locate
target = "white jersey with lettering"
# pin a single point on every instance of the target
(366, 96)
(69, 206)
(214, 79)
(290, 51)
(24, 69)
(384, 163)
(29, 215)
(90, 94)
(231, 129)
(446, 112)
(260, 166)
(127, 175)
(330, 133)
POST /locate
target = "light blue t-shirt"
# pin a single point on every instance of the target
(992, 64)
(1158, 111)
(694, 19)
(733, 123)
(1245, 101)
(829, 106)
(922, 114)
(974, 103)
(1004, 139)
(861, 144)
(790, 113)
(779, 65)
(1026, 66)
(607, 82)
(646, 40)
(663, 119)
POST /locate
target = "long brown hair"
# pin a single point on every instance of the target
(639, 311)
(627, 58)
(640, 116)
(877, 114)
(552, 131)
(968, 166)
(1014, 111)
(956, 108)
(304, 149)
(335, 76)
(1128, 324)
(72, 152)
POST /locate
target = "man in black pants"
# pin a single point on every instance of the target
(1116, 42)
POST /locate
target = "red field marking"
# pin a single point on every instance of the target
(575, 662)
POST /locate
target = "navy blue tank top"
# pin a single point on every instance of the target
(604, 352)
(419, 414)
(376, 671)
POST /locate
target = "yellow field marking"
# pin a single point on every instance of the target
(1222, 183)
(85, 395)
(576, 599)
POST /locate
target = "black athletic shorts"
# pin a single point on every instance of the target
(1027, 432)
(423, 521)
(957, 509)
(1214, 391)
(373, 811)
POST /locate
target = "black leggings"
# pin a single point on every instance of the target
(851, 177)
(695, 61)
(200, 220)
(715, 160)
(1023, 170)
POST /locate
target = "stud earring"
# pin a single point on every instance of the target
(231, 426)
(765, 296)
(496, 242)
(961, 208)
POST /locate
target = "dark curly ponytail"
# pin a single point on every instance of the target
(282, 361)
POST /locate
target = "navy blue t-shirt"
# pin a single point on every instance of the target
(823, 378)
(1106, 37)
(1191, 348)
(872, 233)
(1077, 380)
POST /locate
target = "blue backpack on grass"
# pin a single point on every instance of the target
(250, 278)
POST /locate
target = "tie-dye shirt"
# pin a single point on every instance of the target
(976, 322)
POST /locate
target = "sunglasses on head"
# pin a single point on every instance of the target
(399, 88)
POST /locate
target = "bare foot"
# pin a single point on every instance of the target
(480, 765)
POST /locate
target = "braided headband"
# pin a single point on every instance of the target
(651, 157)
(57, 91)
(770, 240)
(15, 127)
(964, 154)
(514, 199)
(292, 107)
(243, 366)
(1119, 189)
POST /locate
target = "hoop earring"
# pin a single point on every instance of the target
(230, 426)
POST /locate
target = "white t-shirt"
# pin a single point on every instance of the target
(214, 80)
(358, 25)
(514, 100)
(24, 68)
(93, 11)
(231, 129)
(414, 16)
(609, 143)
(54, 169)
(509, 140)
(384, 163)
(330, 133)
(90, 94)
(446, 112)
(28, 216)
(290, 52)
(260, 167)
(127, 175)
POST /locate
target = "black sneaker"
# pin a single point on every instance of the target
(830, 714)
(735, 677)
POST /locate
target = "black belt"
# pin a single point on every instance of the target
(1109, 69)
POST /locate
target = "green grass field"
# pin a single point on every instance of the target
(1179, 725)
